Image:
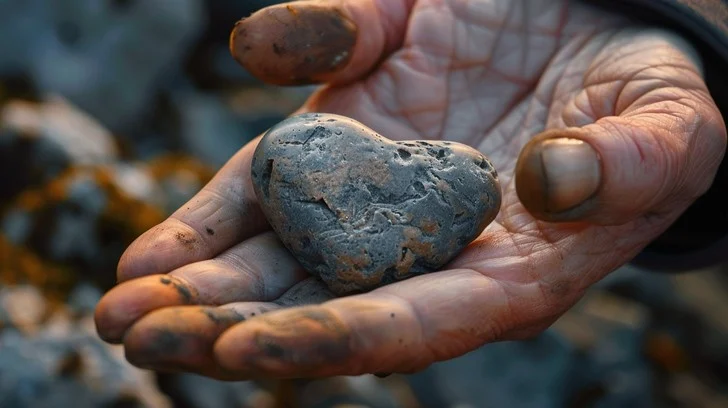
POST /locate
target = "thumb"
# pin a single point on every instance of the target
(319, 41)
(656, 162)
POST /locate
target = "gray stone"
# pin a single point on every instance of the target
(361, 211)
(209, 116)
(22, 307)
(202, 392)
(108, 57)
(55, 120)
(535, 373)
(38, 141)
(66, 364)
(83, 299)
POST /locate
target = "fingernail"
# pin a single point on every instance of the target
(294, 43)
(557, 175)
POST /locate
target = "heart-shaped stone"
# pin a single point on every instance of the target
(362, 211)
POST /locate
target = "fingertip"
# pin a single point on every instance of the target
(111, 315)
(161, 249)
(176, 336)
(105, 320)
(294, 43)
(314, 42)
(128, 266)
(557, 175)
(145, 345)
(129, 301)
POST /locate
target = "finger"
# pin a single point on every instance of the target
(619, 169)
(654, 159)
(258, 269)
(316, 41)
(223, 213)
(159, 340)
(391, 329)
(182, 338)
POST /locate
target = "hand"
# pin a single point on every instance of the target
(602, 133)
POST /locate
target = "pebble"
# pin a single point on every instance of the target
(362, 211)
(22, 307)
(64, 363)
(38, 141)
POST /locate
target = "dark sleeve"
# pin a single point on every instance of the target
(700, 237)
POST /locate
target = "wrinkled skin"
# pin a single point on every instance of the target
(211, 290)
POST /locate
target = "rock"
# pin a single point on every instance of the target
(21, 266)
(177, 178)
(38, 141)
(22, 307)
(83, 299)
(196, 391)
(209, 128)
(361, 211)
(212, 126)
(617, 367)
(689, 391)
(110, 58)
(66, 364)
(534, 373)
(85, 218)
(359, 391)
(609, 332)
(83, 139)
(19, 34)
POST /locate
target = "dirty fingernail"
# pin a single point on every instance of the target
(294, 44)
(557, 175)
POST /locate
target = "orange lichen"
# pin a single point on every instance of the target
(30, 200)
(167, 165)
(122, 220)
(56, 190)
(20, 266)
(666, 352)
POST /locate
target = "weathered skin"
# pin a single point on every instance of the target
(361, 211)
(294, 44)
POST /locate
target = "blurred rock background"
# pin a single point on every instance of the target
(114, 112)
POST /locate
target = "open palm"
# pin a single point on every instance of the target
(606, 130)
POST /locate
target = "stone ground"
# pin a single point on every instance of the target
(113, 113)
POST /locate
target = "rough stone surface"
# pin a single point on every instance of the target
(362, 211)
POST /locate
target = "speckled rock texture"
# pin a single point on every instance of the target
(362, 211)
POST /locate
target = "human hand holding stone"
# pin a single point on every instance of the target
(602, 133)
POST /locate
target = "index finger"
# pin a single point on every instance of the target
(222, 214)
